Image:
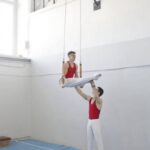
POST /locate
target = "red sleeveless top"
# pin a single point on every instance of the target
(71, 71)
(94, 112)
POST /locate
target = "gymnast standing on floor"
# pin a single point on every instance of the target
(94, 135)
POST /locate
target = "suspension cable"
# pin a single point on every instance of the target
(80, 39)
(65, 22)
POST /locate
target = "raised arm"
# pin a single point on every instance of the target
(98, 99)
(93, 85)
(82, 94)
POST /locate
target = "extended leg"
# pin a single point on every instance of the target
(73, 82)
(90, 137)
(98, 134)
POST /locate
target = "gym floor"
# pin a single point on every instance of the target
(31, 144)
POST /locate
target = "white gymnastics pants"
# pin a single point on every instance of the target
(73, 82)
(94, 135)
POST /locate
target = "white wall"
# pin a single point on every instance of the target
(15, 99)
(116, 36)
(60, 116)
(23, 27)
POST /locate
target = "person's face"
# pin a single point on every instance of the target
(72, 57)
(95, 93)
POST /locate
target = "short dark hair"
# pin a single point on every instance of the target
(100, 90)
(71, 52)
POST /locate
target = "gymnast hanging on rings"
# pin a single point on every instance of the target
(69, 69)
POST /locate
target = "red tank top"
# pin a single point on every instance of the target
(94, 112)
(71, 71)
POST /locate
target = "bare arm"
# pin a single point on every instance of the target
(99, 103)
(79, 91)
(93, 85)
(98, 99)
(76, 74)
(64, 69)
